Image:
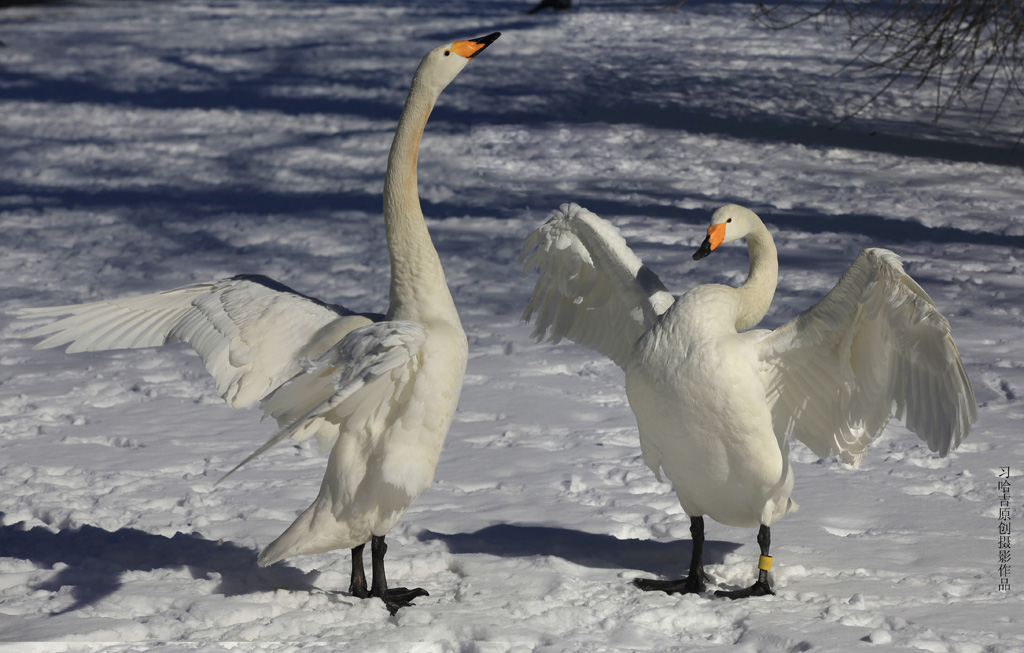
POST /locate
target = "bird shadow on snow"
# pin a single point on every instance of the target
(669, 559)
(93, 561)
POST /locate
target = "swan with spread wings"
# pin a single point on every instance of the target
(716, 400)
(378, 391)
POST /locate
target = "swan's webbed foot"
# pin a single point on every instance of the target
(396, 598)
(693, 584)
(760, 588)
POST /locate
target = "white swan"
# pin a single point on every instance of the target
(715, 402)
(380, 391)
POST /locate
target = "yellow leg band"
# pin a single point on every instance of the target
(765, 563)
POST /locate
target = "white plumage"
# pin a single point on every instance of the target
(874, 348)
(715, 401)
(250, 331)
(378, 390)
(577, 296)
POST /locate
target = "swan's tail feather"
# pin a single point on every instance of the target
(314, 531)
(289, 542)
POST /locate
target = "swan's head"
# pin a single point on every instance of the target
(442, 64)
(728, 223)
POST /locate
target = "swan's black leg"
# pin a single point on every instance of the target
(396, 597)
(761, 587)
(358, 585)
(694, 582)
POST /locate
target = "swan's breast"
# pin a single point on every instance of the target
(425, 410)
(700, 405)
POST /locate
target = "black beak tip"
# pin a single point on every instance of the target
(705, 249)
(487, 40)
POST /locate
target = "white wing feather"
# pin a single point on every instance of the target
(592, 288)
(348, 391)
(873, 348)
(250, 331)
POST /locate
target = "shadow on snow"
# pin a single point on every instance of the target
(95, 559)
(664, 559)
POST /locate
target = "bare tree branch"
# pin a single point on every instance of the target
(971, 50)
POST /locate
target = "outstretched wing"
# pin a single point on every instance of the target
(592, 288)
(350, 389)
(874, 347)
(250, 331)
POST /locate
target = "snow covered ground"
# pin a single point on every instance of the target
(148, 145)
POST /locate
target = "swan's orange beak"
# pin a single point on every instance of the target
(473, 47)
(716, 234)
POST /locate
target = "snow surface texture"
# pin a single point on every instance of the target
(150, 145)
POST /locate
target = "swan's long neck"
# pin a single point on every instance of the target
(755, 295)
(418, 285)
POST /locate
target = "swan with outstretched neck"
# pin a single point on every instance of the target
(378, 390)
(716, 401)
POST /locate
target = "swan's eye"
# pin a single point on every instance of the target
(729, 220)
(447, 52)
